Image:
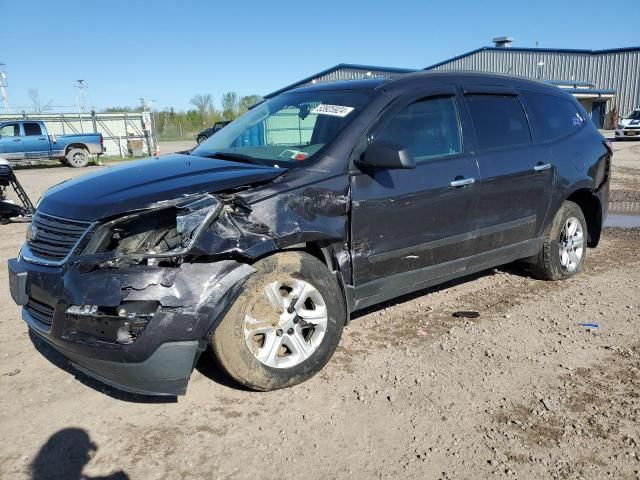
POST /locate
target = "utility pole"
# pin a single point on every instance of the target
(80, 85)
(150, 128)
(3, 88)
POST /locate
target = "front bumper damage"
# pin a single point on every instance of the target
(138, 318)
(159, 347)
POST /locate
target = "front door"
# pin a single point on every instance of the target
(11, 147)
(410, 227)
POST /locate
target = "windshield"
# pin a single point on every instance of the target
(287, 130)
(635, 115)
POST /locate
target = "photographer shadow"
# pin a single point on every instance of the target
(64, 456)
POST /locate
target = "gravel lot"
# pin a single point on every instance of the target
(523, 391)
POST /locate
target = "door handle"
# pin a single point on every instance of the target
(542, 166)
(42, 139)
(462, 182)
(16, 139)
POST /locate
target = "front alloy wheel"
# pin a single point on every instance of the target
(285, 325)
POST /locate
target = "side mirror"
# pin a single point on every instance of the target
(383, 154)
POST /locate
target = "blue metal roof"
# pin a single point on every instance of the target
(538, 50)
(349, 66)
(590, 91)
(366, 83)
(570, 82)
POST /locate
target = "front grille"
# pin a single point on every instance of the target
(54, 238)
(40, 311)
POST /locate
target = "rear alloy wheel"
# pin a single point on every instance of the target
(571, 245)
(285, 325)
(565, 245)
(77, 157)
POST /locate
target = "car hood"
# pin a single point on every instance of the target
(137, 185)
(630, 122)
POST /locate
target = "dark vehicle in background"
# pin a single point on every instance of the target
(261, 243)
(206, 133)
(28, 140)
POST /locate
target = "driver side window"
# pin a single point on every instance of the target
(428, 128)
(10, 130)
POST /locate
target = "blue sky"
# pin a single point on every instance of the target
(169, 51)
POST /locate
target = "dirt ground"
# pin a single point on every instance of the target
(523, 391)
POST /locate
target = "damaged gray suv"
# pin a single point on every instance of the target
(261, 242)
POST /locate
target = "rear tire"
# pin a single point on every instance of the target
(77, 158)
(201, 139)
(565, 245)
(265, 346)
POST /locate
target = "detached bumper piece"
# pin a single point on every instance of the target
(165, 372)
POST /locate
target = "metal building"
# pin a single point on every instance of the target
(600, 79)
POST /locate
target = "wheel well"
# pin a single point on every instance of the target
(317, 251)
(76, 145)
(314, 249)
(592, 210)
(324, 255)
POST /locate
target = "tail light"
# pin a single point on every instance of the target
(101, 140)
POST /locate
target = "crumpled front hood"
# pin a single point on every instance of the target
(136, 185)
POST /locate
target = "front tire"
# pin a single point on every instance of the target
(565, 245)
(201, 139)
(285, 325)
(77, 158)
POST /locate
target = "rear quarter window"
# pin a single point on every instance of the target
(553, 117)
(499, 121)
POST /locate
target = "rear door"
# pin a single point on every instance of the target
(411, 226)
(516, 174)
(35, 141)
(11, 147)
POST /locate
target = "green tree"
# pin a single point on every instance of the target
(121, 109)
(229, 105)
(248, 101)
(203, 104)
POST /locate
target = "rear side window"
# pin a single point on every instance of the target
(31, 129)
(499, 121)
(553, 117)
(428, 128)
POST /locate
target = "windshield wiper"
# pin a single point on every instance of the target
(238, 157)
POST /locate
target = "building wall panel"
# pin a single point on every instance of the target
(617, 70)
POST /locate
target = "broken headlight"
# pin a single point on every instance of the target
(169, 229)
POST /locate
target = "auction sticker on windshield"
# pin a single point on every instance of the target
(333, 110)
